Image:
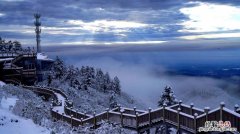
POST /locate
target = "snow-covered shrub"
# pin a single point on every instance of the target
(167, 97)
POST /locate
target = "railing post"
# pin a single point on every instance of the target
(236, 107)
(81, 121)
(222, 105)
(85, 114)
(94, 120)
(137, 121)
(72, 120)
(119, 107)
(76, 113)
(180, 103)
(71, 111)
(121, 111)
(195, 123)
(57, 116)
(134, 109)
(206, 110)
(107, 110)
(178, 119)
(191, 108)
(62, 116)
(164, 107)
(149, 116)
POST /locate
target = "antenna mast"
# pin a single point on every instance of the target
(37, 23)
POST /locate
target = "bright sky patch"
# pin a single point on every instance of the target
(208, 17)
(106, 25)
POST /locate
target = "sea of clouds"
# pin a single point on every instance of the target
(144, 74)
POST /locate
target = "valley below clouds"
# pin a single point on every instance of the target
(144, 75)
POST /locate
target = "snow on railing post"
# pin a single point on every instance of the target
(134, 109)
(94, 120)
(107, 111)
(81, 121)
(119, 107)
(222, 105)
(149, 116)
(236, 107)
(195, 123)
(121, 111)
(72, 120)
(179, 103)
(136, 120)
(206, 110)
(191, 108)
(164, 107)
(178, 119)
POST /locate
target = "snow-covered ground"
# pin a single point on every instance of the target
(12, 124)
(21, 110)
(2, 83)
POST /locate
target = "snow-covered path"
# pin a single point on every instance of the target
(60, 108)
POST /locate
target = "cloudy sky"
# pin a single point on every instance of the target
(144, 32)
(110, 22)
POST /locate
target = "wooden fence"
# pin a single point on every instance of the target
(181, 116)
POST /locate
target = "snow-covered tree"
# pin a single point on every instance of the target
(106, 82)
(167, 97)
(112, 100)
(76, 84)
(71, 73)
(59, 68)
(116, 85)
(87, 74)
(17, 46)
(99, 79)
(84, 78)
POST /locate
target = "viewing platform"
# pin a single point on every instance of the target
(182, 117)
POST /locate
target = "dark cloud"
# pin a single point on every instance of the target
(163, 14)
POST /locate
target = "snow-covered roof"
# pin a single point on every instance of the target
(42, 56)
